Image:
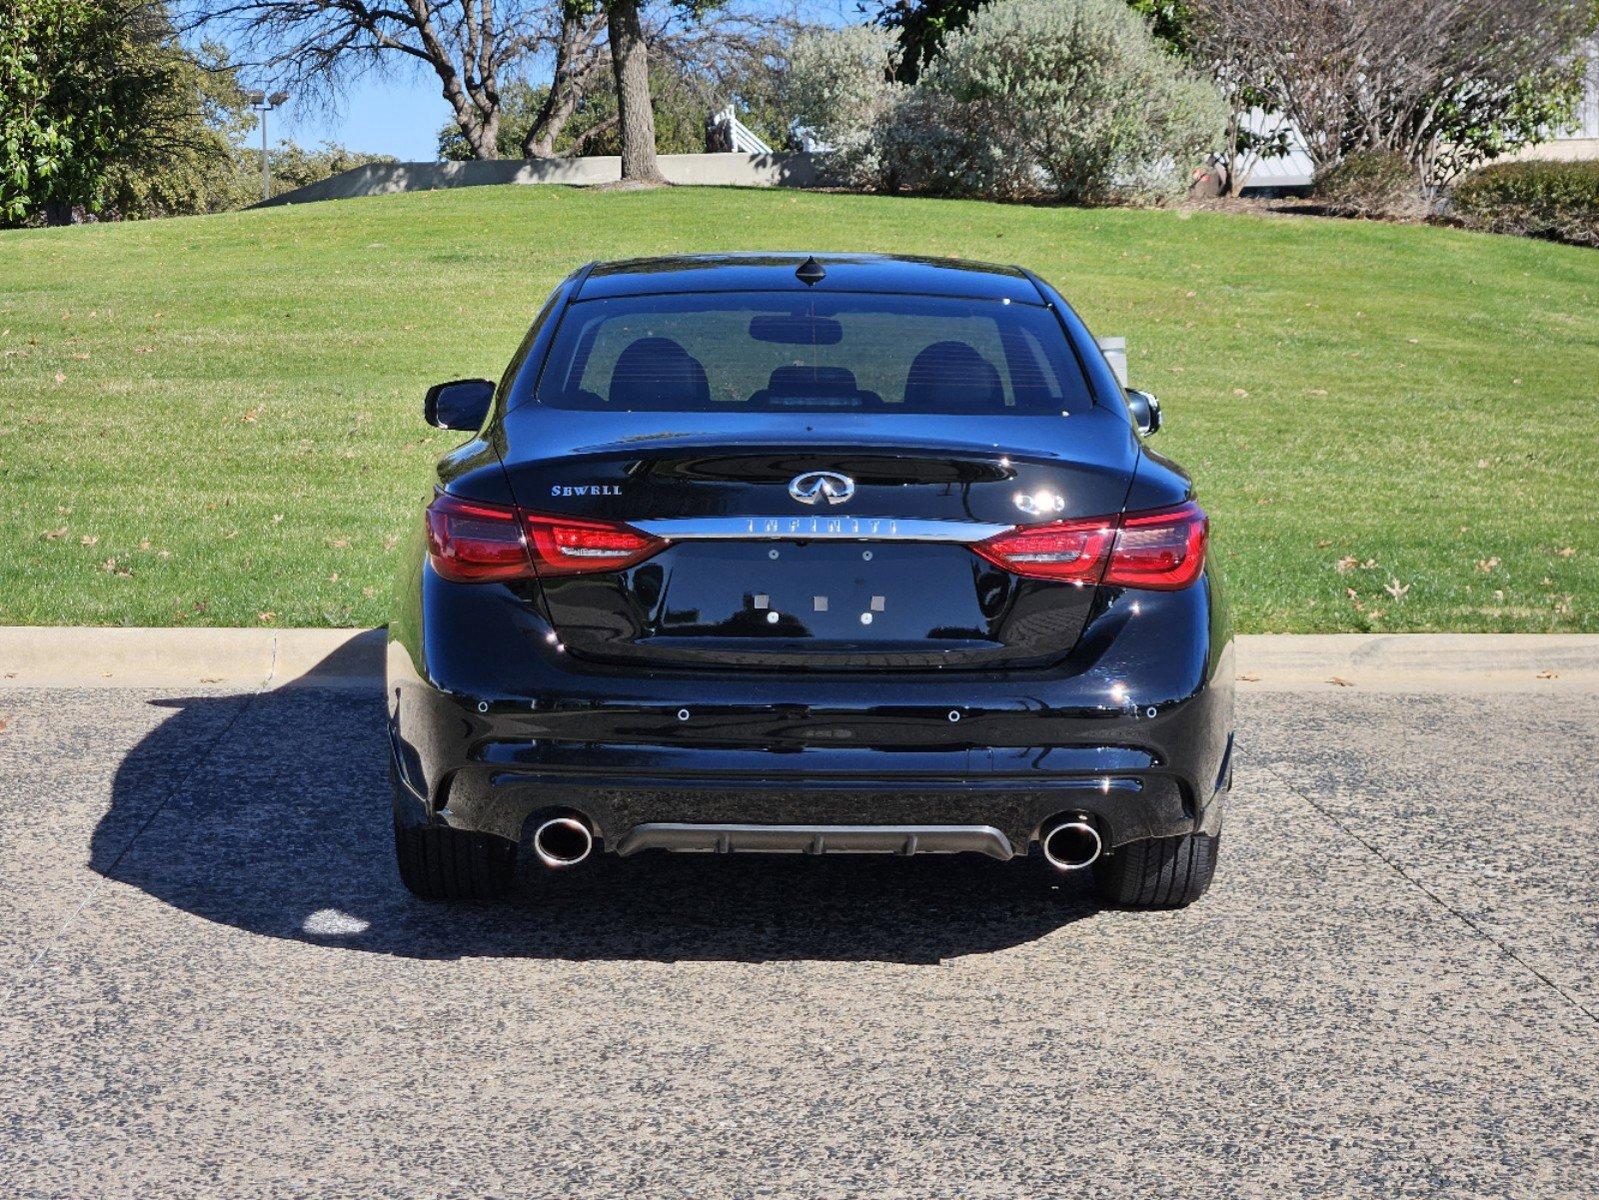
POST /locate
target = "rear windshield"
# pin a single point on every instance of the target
(795, 353)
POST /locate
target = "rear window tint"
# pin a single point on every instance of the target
(795, 353)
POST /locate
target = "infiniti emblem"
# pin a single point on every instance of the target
(813, 486)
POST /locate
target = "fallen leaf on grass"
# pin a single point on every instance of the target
(265, 617)
(1566, 551)
(60, 378)
(89, 539)
(1395, 589)
(51, 535)
(1486, 565)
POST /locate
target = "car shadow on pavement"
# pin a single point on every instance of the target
(270, 813)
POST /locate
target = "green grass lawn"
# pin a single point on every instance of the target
(217, 420)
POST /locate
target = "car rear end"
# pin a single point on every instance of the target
(870, 563)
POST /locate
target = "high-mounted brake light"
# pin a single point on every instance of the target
(1162, 549)
(471, 542)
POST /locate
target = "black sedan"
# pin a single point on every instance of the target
(808, 554)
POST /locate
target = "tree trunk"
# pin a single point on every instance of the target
(575, 62)
(630, 64)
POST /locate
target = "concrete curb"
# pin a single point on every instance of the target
(41, 656)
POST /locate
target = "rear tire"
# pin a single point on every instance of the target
(440, 863)
(1159, 872)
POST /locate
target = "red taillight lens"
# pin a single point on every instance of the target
(469, 542)
(1064, 550)
(1163, 549)
(572, 545)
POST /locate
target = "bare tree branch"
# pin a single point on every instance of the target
(1407, 77)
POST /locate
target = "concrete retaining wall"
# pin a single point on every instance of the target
(724, 170)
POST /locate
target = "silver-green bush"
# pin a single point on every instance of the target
(1069, 99)
(1063, 99)
(838, 88)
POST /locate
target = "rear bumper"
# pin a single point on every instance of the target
(490, 724)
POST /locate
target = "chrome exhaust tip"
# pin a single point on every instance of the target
(562, 842)
(1071, 845)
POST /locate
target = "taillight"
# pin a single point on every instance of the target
(1063, 550)
(1162, 549)
(573, 545)
(469, 542)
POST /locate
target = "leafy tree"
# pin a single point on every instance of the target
(187, 157)
(106, 111)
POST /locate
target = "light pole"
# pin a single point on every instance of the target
(263, 104)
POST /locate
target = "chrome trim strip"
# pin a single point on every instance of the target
(819, 528)
(816, 839)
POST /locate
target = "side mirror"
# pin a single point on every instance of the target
(460, 404)
(1145, 409)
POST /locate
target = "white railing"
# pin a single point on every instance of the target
(742, 138)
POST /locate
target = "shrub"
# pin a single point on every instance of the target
(1557, 200)
(1069, 99)
(838, 88)
(1369, 183)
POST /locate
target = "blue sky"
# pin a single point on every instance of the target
(401, 115)
(385, 116)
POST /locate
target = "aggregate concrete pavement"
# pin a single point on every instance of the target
(214, 985)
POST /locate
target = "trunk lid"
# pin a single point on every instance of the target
(839, 543)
